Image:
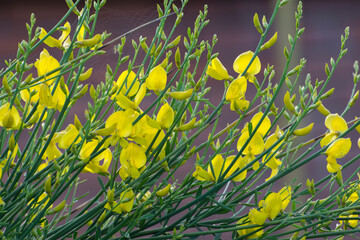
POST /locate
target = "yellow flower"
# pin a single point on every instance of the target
(165, 116)
(254, 147)
(48, 100)
(218, 167)
(351, 222)
(272, 139)
(140, 95)
(40, 201)
(138, 130)
(53, 42)
(121, 120)
(9, 117)
(338, 149)
(216, 70)
(255, 232)
(235, 94)
(46, 64)
(52, 150)
(157, 79)
(126, 202)
(68, 136)
(272, 205)
(273, 163)
(50, 41)
(125, 80)
(237, 89)
(202, 175)
(34, 90)
(81, 33)
(353, 197)
(285, 195)
(150, 133)
(240, 163)
(243, 60)
(257, 217)
(100, 163)
(132, 159)
(264, 126)
(337, 125)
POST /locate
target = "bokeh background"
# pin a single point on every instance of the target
(324, 22)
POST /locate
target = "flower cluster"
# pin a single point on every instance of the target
(235, 93)
(270, 208)
(339, 147)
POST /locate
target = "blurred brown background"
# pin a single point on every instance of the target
(324, 21)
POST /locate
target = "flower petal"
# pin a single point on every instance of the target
(243, 60)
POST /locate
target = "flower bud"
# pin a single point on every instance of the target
(82, 92)
(322, 109)
(6, 86)
(304, 131)
(327, 94)
(163, 192)
(288, 103)
(89, 42)
(144, 46)
(34, 118)
(12, 142)
(353, 100)
(286, 52)
(293, 71)
(71, 4)
(63, 86)
(86, 75)
(187, 126)
(269, 43)
(110, 196)
(181, 95)
(310, 186)
(294, 236)
(174, 43)
(327, 69)
(47, 185)
(164, 63)
(178, 58)
(101, 218)
(58, 208)
(165, 116)
(158, 50)
(178, 19)
(257, 23)
(339, 178)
